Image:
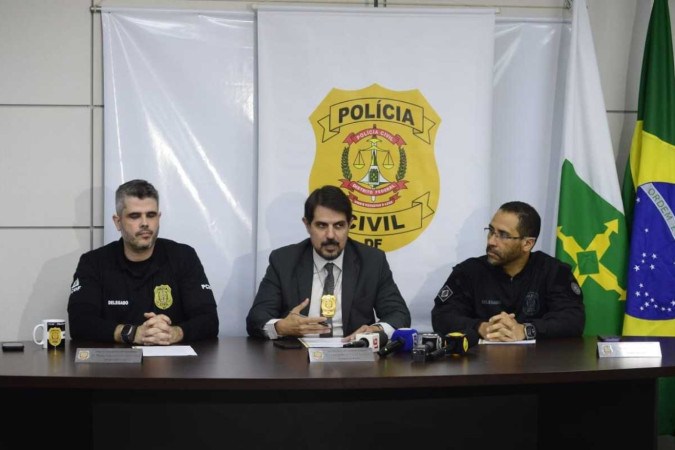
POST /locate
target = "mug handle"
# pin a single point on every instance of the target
(39, 325)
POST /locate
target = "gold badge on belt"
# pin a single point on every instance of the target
(328, 304)
(163, 298)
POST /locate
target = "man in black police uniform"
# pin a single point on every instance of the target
(511, 293)
(141, 289)
(291, 299)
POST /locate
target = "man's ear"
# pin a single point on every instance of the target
(116, 221)
(307, 224)
(528, 244)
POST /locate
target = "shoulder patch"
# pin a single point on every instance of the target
(445, 293)
(576, 288)
(75, 286)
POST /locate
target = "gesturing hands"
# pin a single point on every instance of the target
(295, 324)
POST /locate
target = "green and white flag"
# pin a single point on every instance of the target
(591, 233)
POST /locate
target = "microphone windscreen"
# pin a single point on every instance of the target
(458, 343)
(408, 336)
(402, 339)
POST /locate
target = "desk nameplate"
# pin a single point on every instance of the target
(341, 355)
(108, 355)
(629, 349)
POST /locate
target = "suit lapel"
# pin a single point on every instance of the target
(350, 273)
(305, 273)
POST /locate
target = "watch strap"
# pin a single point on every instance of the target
(128, 334)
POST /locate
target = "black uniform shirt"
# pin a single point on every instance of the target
(545, 293)
(108, 290)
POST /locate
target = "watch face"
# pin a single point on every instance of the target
(530, 331)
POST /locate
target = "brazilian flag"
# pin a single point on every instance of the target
(649, 199)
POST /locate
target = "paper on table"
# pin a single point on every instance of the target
(334, 342)
(168, 350)
(530, 341)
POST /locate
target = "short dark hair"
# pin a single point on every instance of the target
(529, 222)
(330, 197)
(135, 188)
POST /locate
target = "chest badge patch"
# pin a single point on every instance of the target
(163, 298)
(531, 303)
(377, 145)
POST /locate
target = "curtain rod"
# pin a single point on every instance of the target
(375, 4)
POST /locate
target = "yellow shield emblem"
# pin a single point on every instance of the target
(54, 336)
(378, 146)
(163, 298)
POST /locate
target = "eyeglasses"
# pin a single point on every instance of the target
(501, 235)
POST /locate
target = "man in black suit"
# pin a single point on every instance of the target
(298, 296)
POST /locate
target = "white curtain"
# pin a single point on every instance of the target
(180, 111)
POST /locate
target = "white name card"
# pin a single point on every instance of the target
(629, 349)
(341, 355)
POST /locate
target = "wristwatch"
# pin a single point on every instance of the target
(530, 331)
(128, 334)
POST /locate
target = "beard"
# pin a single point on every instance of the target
(498, 257)
(332, 253)
(139, 243)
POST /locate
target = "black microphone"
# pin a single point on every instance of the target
(426, 344)
(403, 340)
(455, 343)
(374, 340)
(440, 351)
(458, 343)
(363, 342)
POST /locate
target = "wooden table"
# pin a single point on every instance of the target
(246, 393)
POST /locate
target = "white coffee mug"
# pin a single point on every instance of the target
(53, 333)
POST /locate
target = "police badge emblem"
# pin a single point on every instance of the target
(531, 303)
(378, 146)
(163, 298)
(328, 305)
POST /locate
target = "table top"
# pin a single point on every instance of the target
(241, 363)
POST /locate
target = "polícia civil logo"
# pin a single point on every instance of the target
(378, 146)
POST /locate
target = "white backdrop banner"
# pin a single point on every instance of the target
(391, 105)
(459, 132)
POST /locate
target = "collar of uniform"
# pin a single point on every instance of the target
(158, 255)
(498, 271)
(530, 265)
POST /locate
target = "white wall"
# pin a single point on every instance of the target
(51, 132)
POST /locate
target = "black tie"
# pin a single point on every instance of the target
(329, 289)
(329, 284)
